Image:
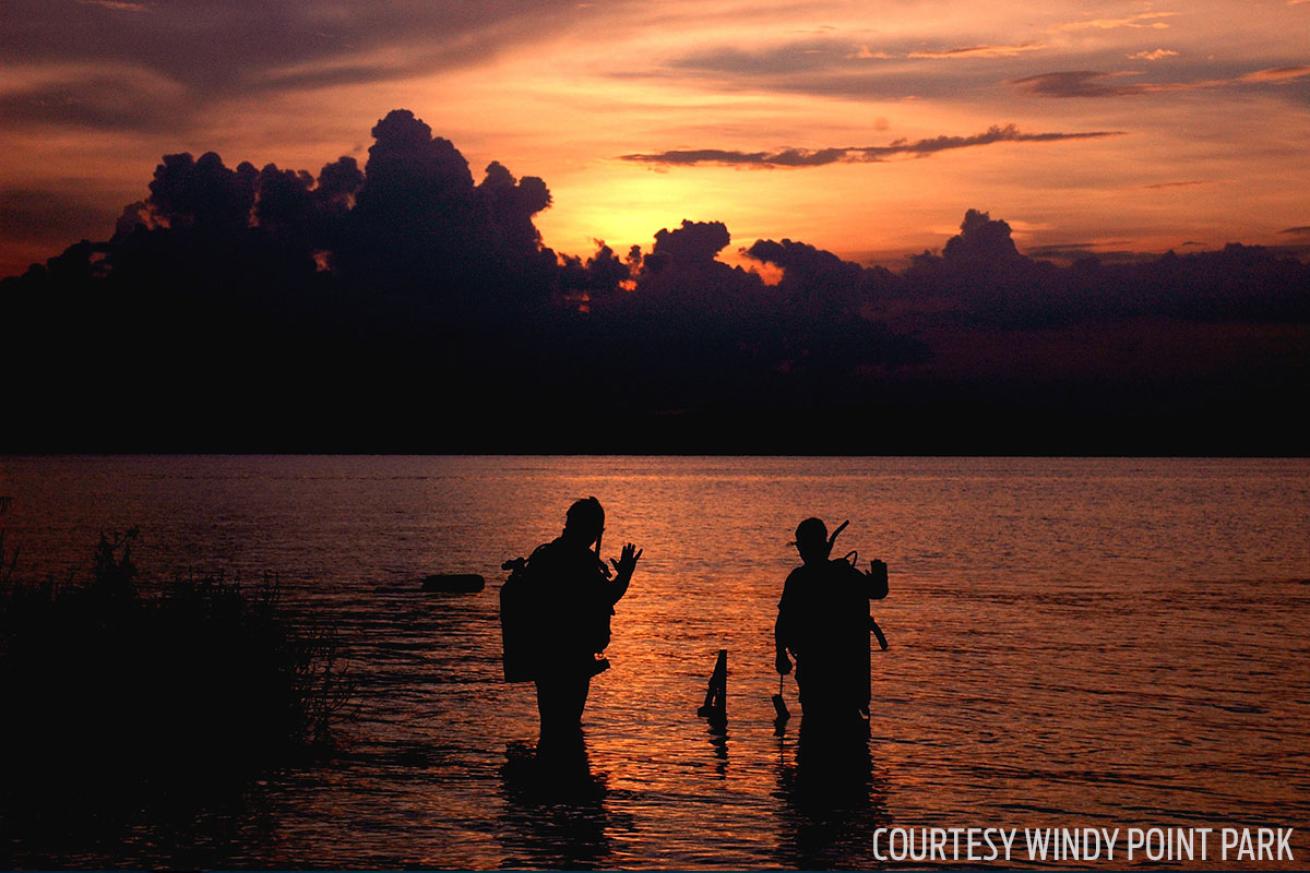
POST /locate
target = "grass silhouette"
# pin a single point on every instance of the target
(116, 697)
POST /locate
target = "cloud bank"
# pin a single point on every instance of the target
(410, 303)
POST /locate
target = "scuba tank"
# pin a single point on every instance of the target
(531, 634)
(518, 627)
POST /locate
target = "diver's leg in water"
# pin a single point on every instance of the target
(560, 700)
(827, 707)
(579, 688)
(548, 703)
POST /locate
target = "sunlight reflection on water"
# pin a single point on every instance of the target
(1073, 642)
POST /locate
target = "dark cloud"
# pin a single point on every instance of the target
(1300, 230)
(985, 50)
(1070, 252)
(203, 193)
(783, 158)
(213, 50)
(695, 243)
(1185, 183)
(893, 68)
(900, 68)
(827, 54)
(1079, 83)
(815, 281)
(982, 240)
(410, 303)
(681, 278)
(1096, 83)
(793, 157)
(102, 101)
(420, 221)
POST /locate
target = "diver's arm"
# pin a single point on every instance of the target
(782, 630)
(875, 581)
(781, 662)
(624, 566)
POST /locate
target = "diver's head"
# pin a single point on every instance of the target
(812, 541)
(584, 522)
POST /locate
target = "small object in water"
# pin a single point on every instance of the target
(780, 706)
(715, 707)
(460, 583)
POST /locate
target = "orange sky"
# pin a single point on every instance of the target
(1208, 104)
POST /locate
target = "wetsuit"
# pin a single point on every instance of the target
(575, 600)
(823, 620)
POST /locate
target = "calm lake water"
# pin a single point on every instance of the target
(1073, 642)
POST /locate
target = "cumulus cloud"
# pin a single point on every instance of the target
(1153, 55)
(413, 221)
(694, 243)
(817, 281)
(864, 53)
(414, 294)
(982, 239)
(797, 157)
(420, 221)
(203, 193)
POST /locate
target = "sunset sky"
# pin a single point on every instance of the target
(864, 128)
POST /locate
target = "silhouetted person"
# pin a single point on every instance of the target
(824, 622)
(569, 596)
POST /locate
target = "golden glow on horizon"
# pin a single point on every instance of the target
(1210, 98)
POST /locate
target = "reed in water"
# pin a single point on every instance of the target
(114, 687)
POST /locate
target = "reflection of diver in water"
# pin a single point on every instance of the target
(555, 815)
(832, 801)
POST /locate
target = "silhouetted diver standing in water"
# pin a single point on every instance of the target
(824, 622)
(556, 611)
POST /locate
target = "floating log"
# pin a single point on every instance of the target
(715, 707)
(459, 583)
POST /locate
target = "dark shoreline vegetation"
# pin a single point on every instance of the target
(404, 307)
(123, 695)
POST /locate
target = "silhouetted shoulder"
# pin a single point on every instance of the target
(794, 580)
(544, 552)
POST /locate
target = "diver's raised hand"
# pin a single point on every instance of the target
(877, 580)
(626, 563)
